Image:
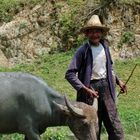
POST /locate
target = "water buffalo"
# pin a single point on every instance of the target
(28, 106)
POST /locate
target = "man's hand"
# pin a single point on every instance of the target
(123, 87)
(91, 92)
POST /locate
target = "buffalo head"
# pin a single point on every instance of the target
(81, 119)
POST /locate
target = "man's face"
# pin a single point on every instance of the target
(94, 35)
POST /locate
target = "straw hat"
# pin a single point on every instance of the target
(94, 23)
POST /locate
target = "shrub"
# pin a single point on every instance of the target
(70, 22)
(127, 37)
(8, 8)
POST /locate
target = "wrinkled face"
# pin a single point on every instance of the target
(83, 129)
(94, 35)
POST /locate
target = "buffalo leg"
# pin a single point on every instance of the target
(25, 138)
(32, 135)
(26, 127)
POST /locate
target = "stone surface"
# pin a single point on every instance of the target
(35, 31)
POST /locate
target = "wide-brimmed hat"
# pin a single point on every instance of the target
(94, 23)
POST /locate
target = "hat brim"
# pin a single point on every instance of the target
(103, 28)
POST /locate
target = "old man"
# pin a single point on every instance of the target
(90, 73)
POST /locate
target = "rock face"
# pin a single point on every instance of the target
(35, 31)
(28, 35)
(124, 32)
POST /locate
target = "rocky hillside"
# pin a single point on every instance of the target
(54, 24)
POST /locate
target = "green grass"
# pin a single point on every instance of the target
(129, 106)
(52, 68)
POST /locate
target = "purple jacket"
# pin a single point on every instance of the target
(82, 65)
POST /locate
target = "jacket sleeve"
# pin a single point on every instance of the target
(74, 68)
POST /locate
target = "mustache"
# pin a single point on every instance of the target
(96, 37)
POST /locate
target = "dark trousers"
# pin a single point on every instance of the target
(107, 111)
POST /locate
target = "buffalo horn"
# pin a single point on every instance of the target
(74, 110)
